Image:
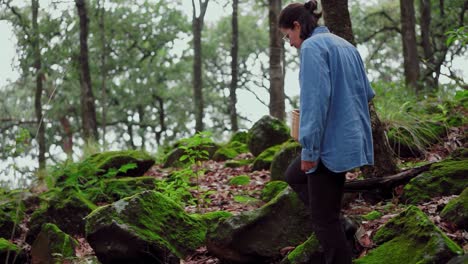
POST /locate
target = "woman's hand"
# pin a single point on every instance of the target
(307, 165)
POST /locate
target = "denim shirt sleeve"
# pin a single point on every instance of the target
(314, 80)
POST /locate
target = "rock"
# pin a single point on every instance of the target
(266, 132)
(145, 228)
(111, 190)
(447, 177)
(230, 151)
(240, 136)
(211, 219)
(53, 246)
(263, 161)
(456, 211)
(308, 252)
(104, 165)
(172, 159)
(411, 237)
(237, 163)
(239, 180)
(288, 152)
(459, 259)
(10, 252)
(65, 208)
(257, 236)
(272, 189)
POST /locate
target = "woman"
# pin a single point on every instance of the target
(334, 130)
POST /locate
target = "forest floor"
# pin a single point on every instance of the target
(225, 197)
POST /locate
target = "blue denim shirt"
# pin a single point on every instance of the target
(334, 114)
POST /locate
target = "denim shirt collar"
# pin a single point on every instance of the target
(319, 29)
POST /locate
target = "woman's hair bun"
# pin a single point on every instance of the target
(311, 6)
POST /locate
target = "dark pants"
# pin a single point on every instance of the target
(322, 192)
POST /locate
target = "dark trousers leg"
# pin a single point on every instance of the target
(322, 191)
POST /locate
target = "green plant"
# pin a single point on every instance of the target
(460, 34)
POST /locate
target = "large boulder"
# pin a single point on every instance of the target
(411, 237)
(52, 245)
(444, 178)
(308, 252)
(272, 189)
(65, 208)
(258, 236)
(266, 132)
(145, 228)
(456, 211)
(172, 159)
(288, 152)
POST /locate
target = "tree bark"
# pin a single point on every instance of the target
(68, 136)
(410, 52)
(425, 10)
(234, 67)
(88, 109)
(384, 160)
(103, 71)
(197, 27)
(39, 85)
(277, 104)
(337, 19)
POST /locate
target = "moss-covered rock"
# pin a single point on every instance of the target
(52, 245)
(411, 237)
(65, 208)
(211, 219)
(272, 189)
(456, 211)
(111, 190)
(240, 136)
(444, 178)
(230, 151)
(257, 236)
(240, 180)
(308, 252)
(145, 228)
(10, 252)
(263, 161)
(266, 132)
(288, 152)
(172, 159)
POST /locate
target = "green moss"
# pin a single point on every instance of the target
(230, 151)
(160, 221)
(240, 137)
(59, 244)
(6, 245)
(240, 180)
(210, 219)
(115, 189)
(245, 199)
(372, 216)
(263, 161)
(272, 189)
(281, 160)
(305, 251)
(456, 211)
(443, 178)
(411, 238)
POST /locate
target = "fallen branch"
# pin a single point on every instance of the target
(387, 182)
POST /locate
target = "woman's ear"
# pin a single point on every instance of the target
(296, 24)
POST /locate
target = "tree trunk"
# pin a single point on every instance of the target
(68, 137)
(277, 104)
(384, 161)
(410, 52)
(162, 117)
(88, 109)
(428, 78)
(103, 72)
(39, 85)
(234, 68)
(197, 27)
(337, 19)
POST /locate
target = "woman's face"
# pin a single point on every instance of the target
(292, 35)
